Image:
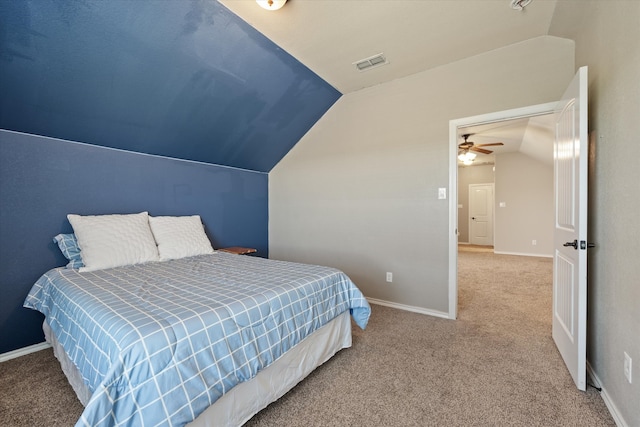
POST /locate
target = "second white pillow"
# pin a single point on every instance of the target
(180, 236)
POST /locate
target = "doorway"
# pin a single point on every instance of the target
(457, 128)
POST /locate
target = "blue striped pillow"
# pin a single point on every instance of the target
(69, 247)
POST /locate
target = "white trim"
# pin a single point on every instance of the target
(453, 219)
(412, 308)
(517, 113)
(613, 410)
(23, 351)
(522, 254)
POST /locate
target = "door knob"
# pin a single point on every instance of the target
(574, 244)
(473, 217)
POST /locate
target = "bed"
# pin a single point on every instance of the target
(206, 339)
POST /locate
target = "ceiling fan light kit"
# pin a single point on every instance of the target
(465, 154)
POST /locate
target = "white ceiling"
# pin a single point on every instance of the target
(328, 36)
(530, 136)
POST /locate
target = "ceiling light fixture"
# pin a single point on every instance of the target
(271, 4)
(519, 4)
(467, 157)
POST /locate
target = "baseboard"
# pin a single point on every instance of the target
(404, 307)
(522, 254)
(613, 410)
(23, 351)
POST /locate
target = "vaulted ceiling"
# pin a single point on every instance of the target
(224, 82)
(188, 80)
(328, 36)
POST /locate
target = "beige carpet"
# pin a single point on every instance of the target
(495, 366)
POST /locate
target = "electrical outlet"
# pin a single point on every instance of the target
(534, 242)
(389, 277)
(627, 367)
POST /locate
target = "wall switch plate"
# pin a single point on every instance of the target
(627, 367)
(389, 277)
(503, 204)
(534, 242)
(442, 193)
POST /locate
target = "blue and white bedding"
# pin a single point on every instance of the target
(158, 343)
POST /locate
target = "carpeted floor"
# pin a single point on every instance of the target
(494, 366)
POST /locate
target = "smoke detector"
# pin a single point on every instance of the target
(371, 62)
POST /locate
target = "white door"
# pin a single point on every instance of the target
(570, 238)
(481, 214)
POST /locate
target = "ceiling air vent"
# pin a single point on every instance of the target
(371, 62)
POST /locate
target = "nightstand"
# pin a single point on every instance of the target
(238, 250)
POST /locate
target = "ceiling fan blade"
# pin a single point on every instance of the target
(481, 150)
(493, 144)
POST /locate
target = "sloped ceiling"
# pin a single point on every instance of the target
(330, 35)
(415, 35)
(532, 136)
(224, 82)
(183, 79)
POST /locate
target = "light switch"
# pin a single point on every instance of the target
(442, 193)
(503, 204)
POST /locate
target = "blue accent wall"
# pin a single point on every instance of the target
(43, 179)
(183, 79)
(178, 78)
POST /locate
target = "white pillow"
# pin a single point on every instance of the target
(108, 241)
(180, 236)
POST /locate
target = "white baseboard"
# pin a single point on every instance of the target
(522, 254)
(613, 410)
(420, 310)
(23, 351)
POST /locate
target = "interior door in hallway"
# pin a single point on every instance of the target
(481, 214)
(570, 237)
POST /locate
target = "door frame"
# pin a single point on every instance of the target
(454, 125)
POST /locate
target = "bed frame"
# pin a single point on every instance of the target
(248, 398)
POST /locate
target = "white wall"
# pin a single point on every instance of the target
(525, 186)
(482, 174)
(359, 191)
(607, 36)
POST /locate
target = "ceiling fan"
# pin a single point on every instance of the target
(467, 145)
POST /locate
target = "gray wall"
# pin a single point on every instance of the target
(607, 36)
(525, 186)
(359, 191)
(469, 175)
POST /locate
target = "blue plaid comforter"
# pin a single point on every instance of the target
(158, 343)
